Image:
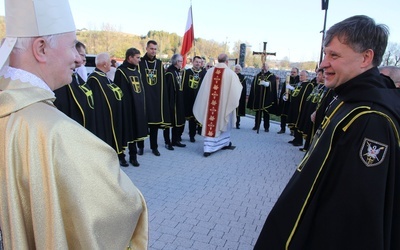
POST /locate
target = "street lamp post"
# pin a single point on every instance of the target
(324, 6)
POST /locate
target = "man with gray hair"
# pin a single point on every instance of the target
(215, 106)
(241, 109)
(108, 107)
(174, 88)
(345, 192)
(60, 186)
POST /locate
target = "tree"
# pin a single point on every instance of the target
(392, 55)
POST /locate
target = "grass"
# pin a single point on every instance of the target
(272, 117)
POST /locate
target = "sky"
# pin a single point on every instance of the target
(291, 28)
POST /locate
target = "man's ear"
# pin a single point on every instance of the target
(39, 49)
(368, 57)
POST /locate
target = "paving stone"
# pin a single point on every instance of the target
(218, 202)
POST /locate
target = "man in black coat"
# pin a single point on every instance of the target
(262, 96)
(192, 79)
(108, 106)
(134, 118)
(241, 109)
(153, 78)
(345, 192)
(284, 97)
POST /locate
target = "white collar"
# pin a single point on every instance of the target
(24, 76)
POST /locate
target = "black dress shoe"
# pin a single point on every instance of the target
(123, 163)
(155, 152)
(135, 163)
(303, 149)
(254, 128)
(266, 130)
(281, 132)
(296, 144)
(169, 147)
(179, 144)
(206, 154)
(140, 151)
(230, 146)
(292, 141)
(192, 139)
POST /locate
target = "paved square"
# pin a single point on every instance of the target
(218, 202)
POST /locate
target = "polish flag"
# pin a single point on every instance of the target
(188, 38)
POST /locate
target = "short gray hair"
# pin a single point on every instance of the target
(102, 58)
(175, 58)
(23, 43)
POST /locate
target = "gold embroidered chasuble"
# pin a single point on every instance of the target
(61, 187)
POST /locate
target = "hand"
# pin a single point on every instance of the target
(264, 83)
(284, 98)
(313, 116)
(288, 86)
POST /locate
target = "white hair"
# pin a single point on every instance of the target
(102, 58)
(238, 66)
(23, 43)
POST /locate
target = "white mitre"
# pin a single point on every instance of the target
(34, 18)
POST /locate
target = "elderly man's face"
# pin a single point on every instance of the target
(61, 61)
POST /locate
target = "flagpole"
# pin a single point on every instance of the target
(194, 40)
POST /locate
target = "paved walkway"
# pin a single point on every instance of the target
(218, 202)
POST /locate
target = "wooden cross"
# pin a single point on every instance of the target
(264, 53)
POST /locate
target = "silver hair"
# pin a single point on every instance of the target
(102, 58)
(175, 58)
(23, 43)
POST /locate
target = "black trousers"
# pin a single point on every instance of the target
(192, 127)
(298, 137)
(257, 122)
(153, 136)
(140, 144)
(237, 121)
(132, 151)
(283, 122)
(176, 134)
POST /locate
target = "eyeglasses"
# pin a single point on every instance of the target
(180, 61)
(208, 67)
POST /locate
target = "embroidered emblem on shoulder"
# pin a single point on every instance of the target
(372, 153)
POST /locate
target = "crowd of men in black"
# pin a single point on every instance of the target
(144, 97)
(299, 101)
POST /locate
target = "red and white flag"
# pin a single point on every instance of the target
(188, 38)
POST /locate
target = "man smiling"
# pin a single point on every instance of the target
(345, 192)
(60, 186)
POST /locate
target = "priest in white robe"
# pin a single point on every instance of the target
(216, 104)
